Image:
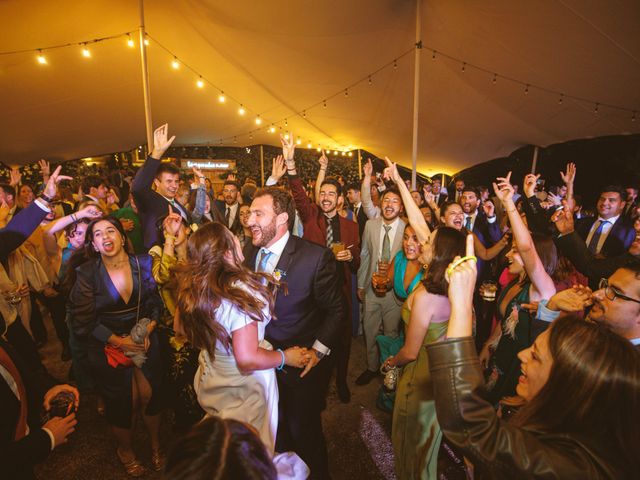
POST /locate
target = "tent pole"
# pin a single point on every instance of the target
(145, 80)
(359, 164)
(262, 163)
(534, 162)
(416, 95)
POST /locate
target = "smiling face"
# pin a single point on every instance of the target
(328, 198)
(266, 226)
(391, 206)
(459, 185)
(245, 213)
(610, 205)
(453, 217)
(410, 244)
(26, 195)
(230, 194)
(535, 367)
(106, 239)
(516, 265)
(622, 316)
(353, 196)
(99, 192)
(469, 202)
(167, 184)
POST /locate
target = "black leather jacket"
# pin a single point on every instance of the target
(498, 449)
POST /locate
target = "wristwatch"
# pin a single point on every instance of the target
(319, 355)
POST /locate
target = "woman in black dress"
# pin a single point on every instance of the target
(113, 290)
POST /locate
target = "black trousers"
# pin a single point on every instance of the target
(20, 339)
(302, 401)
(57, 308)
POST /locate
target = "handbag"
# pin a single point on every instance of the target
(116, 357)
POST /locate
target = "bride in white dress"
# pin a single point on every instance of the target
(223, 309)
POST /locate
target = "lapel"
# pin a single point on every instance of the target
(375, 241)
(250, 254)
(287, 255)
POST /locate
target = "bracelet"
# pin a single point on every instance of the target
(74, 219)
(46, 197)
(169, 236)
(458, 262)
(282, 364)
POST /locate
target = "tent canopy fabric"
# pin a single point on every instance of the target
(280, 57)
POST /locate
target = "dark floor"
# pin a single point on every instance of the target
(358, 434)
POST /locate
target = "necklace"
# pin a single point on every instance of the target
(116, 264)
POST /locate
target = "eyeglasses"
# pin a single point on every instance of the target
(612, 293)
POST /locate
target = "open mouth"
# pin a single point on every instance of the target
(107, 246)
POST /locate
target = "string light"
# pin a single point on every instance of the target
(286, 122)
(351, 154)
(258, 120)
(241, 110)
(344, 153)
(464, 66)
(309, 145)
(335, 152)
(561, 98)
(175, 63)
(495, 78)
(298, 141)
(235, 139)
(370, 81)
(346, 92)
(272, 129)
(324, 103)
(86, 53)
(304, 114)
(41, 58)
(286, 136)
(433, 55)
(221, 97)
(200, 83)
(146, 42)
(318, 148)
(130, 41)
(596, 108)
(395, 64)
(526, 89)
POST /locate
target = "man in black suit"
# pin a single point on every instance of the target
(355, 199)
(94, 190)
(632, 201)
(229, 208)
(309, 312)
(436, 188)
(610, 234)
(153, 205)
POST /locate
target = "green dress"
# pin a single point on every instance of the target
(415, 432)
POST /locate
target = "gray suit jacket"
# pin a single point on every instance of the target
(370, 253)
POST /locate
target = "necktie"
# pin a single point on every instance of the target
(264, 259)
(386, 245)
(227, 215)
(7, 363)
(593, 244)
(176, 206)
(467, 223)
(329, 232)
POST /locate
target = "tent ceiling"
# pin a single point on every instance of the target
(281, 56)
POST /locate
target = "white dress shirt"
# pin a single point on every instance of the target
(392, 234)
(606, 228)
(233, 211)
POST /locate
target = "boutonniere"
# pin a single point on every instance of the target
(194, 227)
(280, 283)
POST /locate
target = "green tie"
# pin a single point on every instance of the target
(386, 245)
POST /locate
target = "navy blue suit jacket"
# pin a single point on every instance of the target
(618, 241)
(151, 205)
(221, 207)
(20, 228)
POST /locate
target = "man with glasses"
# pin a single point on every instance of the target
(229, 207)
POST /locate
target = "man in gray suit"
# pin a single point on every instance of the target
(381, 240)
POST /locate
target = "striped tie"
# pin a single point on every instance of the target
(329, 233)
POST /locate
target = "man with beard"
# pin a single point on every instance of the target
(309, 312)
(229, 207)
(165, 176)
(381, 241)
(322, 225)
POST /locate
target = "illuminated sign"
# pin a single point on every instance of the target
(209, 164)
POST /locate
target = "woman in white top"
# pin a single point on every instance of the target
(223, 309)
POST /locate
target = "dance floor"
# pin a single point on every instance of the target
(358, 434)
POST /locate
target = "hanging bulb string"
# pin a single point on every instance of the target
(83, 43)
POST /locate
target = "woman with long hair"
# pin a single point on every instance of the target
(113, 290)
(532, 261)
(415, 433)
(223, 309)
(581, 385)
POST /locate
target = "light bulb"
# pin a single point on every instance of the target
(335, 152)
(200, 83)
(298, 141)
(222, 98)
(258, 120)
(344, 153)
(41, 58)
(130, 41)
(309, 145)
(319, 149)
(86, 53)
(175, 64)
(146, 42)
(272, 129)
(241, 110)
(286, 136)
(351, 154)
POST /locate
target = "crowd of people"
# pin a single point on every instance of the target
(503, 327)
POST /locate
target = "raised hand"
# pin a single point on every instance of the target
(503, 189)
(489, 208)
(563, 219)
(232, 177)
(16, 177)
(51, 188)
(197, 173)
(172, 223)
(44, 168)
(288, 147)
(278, 168)
(572, 300)
(160, 142)
(462, 281)
(569, 176)
(323, 161)
(554, 199)
(90, 211)
(391, 172)
(367, 169)
(529, 185)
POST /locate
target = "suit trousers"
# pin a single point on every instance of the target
(379, 312)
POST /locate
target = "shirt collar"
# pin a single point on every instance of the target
(611, 220)
(635, 341)
(278, 247)
(394, 224)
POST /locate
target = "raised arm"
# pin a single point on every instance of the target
(416, 219)
(201, 196)
(568, 177)
(370, 210)
(89, 211)
(143, 180)
(324, 163)
(541, 280)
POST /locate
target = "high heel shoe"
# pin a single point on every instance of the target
(158, 460)
(133, 467)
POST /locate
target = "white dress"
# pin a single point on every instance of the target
(225, 391)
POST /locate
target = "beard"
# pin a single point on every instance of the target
(265, 234)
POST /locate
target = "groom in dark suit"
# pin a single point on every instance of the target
(308, 313)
